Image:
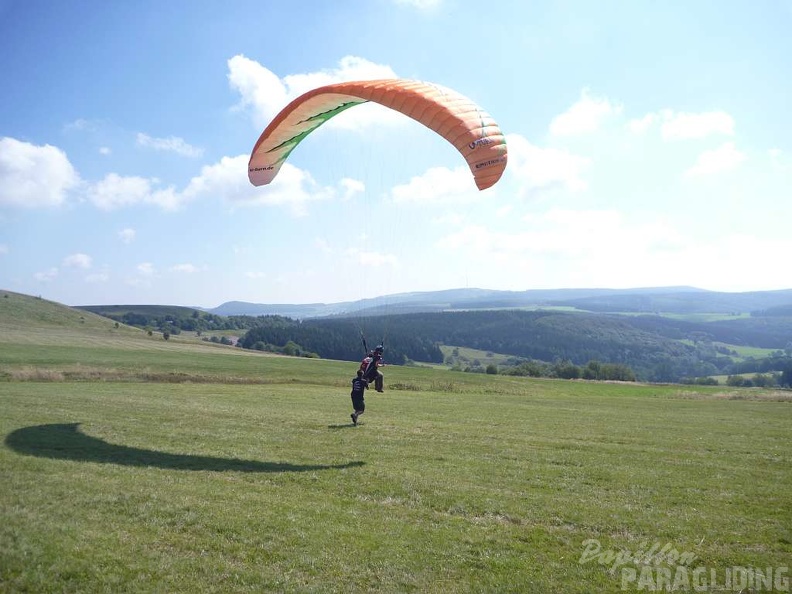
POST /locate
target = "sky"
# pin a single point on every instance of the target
(649, 145)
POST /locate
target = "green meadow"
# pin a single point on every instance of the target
(134, 464)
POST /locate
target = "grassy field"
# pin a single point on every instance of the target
(134, 464)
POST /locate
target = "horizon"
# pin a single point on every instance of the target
(208, 308)
(636, 158)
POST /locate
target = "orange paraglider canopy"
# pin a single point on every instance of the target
(454, 117)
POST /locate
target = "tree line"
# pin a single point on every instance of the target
(548, 343)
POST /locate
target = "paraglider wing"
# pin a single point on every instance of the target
(456, 118)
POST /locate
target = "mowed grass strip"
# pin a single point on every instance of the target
(486, 484)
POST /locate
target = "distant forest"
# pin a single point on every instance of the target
(643, 347)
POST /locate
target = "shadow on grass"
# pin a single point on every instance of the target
(64, 441)
(344, 426)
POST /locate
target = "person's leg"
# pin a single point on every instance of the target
(360, 406)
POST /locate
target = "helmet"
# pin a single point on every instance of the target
(379, 348)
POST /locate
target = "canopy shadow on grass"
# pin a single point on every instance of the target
(64, 441)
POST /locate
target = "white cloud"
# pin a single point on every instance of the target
(371, 259)
(261, 89)
(779, 160)
(685, 126)
(294, 188)
(351, 187)
(228, 180)
(172, 144)
(98, 277)
(584, 117)
(641, 125)
(421, 4)
(78, 261)
(34, 176)
(593, 235)
(723, 158)
(439, 185)
(47, 275)
(145, 269)
(3, 249)
(82, 125)
(185, 268)
(568, 247)
(115, 191)
(265, 94)
(105, 150)
(127, 235)
(544, 169)
(695, 125)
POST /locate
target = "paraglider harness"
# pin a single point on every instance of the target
(370, 364)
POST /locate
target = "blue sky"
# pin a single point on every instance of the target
(649, 145)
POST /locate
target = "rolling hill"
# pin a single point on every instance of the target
(676, 300)
(657, 347)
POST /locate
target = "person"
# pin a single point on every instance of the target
(370, 368)
(359, 385)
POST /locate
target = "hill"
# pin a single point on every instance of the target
(670, 300)
(668, 348)
(26, 319)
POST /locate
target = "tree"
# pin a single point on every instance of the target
(492, 369)
(292, 349)
(565, 370)
(786, 377)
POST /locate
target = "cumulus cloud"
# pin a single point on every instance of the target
(641, 125)
(145, 269)
(539, 169)
(264, 94)
(585, 116)
(723, 158)
(227, 180)
(33, 176)
(696, 125)
(371, 259)
(439, 185)
(683, 125)
(116, 191)
(351, 187)
(185, 268)
(78, 261)
(46, 275)
(293, 188)
(172, 144)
